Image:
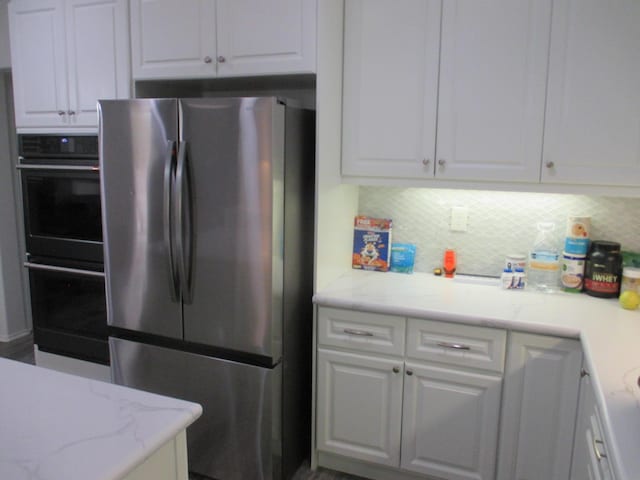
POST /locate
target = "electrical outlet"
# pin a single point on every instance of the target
(459, 217)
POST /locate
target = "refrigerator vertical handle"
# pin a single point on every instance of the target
(184, 230)
(167, 221)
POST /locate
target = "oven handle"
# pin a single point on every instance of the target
(69, 168)
(51, 268)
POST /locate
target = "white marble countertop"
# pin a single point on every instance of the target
(609, 334)
(57, 426)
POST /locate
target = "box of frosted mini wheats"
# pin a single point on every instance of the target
(371, 243)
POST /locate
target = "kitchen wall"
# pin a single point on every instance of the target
(499, 223)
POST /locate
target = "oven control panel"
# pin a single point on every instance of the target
(56, 146)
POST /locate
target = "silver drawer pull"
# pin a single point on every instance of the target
(596, 450)
(360, 333)
(455, 346)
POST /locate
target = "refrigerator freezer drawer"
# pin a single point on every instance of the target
(238, 435)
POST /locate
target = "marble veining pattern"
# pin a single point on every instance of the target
(609, 334)
(58, 426)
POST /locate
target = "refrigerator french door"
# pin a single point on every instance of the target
(208, 287)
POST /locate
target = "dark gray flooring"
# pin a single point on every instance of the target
(22, 350)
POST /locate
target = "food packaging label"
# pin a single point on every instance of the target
(371, 243)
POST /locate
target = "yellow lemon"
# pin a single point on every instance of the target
(629, 300)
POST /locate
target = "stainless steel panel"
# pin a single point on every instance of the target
(238, 434)
(135, 136)
(235, 155)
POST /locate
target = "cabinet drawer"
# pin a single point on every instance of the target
(369, 332)
(456, 344)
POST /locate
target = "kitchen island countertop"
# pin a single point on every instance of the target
(57, 426)
(608, 333)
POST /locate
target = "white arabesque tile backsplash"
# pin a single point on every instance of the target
(499, 223)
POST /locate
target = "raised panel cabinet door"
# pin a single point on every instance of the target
(39, 63)
(493, 72)
(539, 406)
(450, 422)
(259, 38)
(173, 39)
(98, 53)
(592, 128)
(359, 406)
(390, 88)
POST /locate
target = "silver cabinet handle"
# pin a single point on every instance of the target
(426, 162)
(596, 450)
(51, 268)
(549, 164)
(409, 372)
(441, 162)
(583, 373)
(207, 59)
(455, 346)
(71, 112)
(360, 333)
(396, 370)
(61, 112)
(221, 59)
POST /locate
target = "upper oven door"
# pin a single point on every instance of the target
(62, 211)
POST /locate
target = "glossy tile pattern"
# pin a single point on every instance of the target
(499, 223)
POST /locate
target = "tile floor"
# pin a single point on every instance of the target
(22, 350)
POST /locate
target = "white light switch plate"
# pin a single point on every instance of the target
(459, 217)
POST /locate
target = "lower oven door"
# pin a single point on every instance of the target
(68, 306)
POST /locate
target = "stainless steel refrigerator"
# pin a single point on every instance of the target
(208, 210)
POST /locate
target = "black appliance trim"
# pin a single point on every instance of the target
(263, 361)
(81, 347)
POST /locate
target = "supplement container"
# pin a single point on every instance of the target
(630, 280)
(515, 260)
(577, 239)
(603, 269)
(572, 272)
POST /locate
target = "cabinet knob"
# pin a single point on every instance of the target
(549, 165)
(221, 59)
(409, 372)
(583, 373)
(396, 370)
(208, 59)
(426, 162)
(71, 112)
(61, 112)
(441, 162)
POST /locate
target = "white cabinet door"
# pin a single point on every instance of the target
(39, 63)
(359, 405)
(98, 53)
(592, 130)
(390, 88)
(450, 422)
(257, 37)
(539, 407)
(173, 39)
(493, 72)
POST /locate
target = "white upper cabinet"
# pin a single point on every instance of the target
(484, 74)
(172, 38)
(66, 55)
(390, 87)
(493, 72)
(209, 38)
(592, 130)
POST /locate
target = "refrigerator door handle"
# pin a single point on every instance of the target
(184, 230)
(169, 177)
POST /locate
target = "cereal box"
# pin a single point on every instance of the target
(371, 243)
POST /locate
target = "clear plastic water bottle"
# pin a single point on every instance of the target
(544, 260)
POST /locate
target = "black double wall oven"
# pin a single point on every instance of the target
(63, 227)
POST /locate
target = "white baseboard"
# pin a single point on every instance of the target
(82, 368)
(14, 336)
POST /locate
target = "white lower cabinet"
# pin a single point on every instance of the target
(591, 457)
(539, 407)
(449, 422)
(359, 406)
(429, 412)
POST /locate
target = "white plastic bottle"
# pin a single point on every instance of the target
(544, 260)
